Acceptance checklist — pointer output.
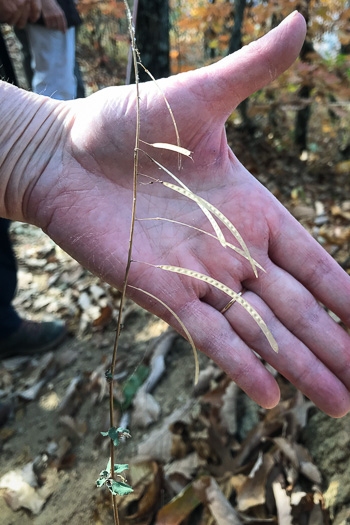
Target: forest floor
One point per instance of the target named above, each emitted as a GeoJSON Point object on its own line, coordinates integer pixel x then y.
{"type": "Point", "coordinates": [197, 455]}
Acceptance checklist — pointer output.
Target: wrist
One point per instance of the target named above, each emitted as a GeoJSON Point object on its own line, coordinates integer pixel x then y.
{"type": "Point", "coordinates": [30, 134]}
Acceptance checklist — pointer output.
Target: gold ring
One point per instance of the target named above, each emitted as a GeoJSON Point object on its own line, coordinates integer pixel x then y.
{"type": "Point", "coordinates": [230, 303]}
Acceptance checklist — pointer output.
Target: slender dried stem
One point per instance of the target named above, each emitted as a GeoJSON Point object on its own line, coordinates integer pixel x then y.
{"type": "Point", "coordinates": [128, 264]}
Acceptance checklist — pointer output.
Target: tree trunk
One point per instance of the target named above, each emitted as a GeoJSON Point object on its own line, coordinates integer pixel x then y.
{"type": "Point", "coordinates": [235, 45]}
{"type": "Point", "coordinates": [152, 38]}
{"type": "Point", "coordinates": [303, 114]}
{"type": "Point", "coordinates": [236, 37]}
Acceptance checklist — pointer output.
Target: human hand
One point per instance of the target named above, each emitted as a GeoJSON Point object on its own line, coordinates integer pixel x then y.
{"type": "Point", "coordinates": [53, 15]}
{"type": "Point", "coordinates": [18, 12]}
{"type": "Point", "coordinates": [78, 187]}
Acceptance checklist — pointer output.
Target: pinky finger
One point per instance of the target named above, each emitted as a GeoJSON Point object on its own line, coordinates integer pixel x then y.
{"type": "Point", "coordinates": [214, 336]}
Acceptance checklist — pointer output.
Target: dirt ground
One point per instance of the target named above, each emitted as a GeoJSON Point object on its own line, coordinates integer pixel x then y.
{"type": "Point", "coordinates": [37, 423]}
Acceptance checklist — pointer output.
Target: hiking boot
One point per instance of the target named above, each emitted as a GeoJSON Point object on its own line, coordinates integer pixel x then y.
{"type": "Point", "coordinates": [33, 338]}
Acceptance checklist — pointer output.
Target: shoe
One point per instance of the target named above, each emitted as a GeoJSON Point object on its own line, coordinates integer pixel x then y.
{"type": "Point", "coordinates": [33, 338]}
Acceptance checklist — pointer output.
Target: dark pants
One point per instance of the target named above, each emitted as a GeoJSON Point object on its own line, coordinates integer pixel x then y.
{"type": "Point", "coordinates": [6, 69]}
{"type": "Point", "coordinates": [9, 319]}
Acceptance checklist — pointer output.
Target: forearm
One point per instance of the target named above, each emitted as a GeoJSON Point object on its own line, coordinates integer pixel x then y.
{"type": "Point", "coordinates": [31, 127]}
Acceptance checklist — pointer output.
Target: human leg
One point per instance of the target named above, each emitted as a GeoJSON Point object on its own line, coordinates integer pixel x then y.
{"type": "Point", "coordinates": [22, 37]}
{"type": "Point", "coordinates": [18, 336]}
{"type": "Point", "coordinates": [53, 59]}
{"type": "Point", "coordinates": [9, 319]}
{"type": "Point", "coordinates": [7, 72]}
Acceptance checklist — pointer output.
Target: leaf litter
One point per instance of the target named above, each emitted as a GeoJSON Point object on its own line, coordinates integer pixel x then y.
{"type": "Point", "coordinates": [201, 463]}
{"type": "Point", "coordinates": [210, 435]}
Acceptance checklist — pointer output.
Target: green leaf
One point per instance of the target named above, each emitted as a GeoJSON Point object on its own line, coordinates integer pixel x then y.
{"type": "Point", "coordinates": [132, 385]}
{"type": "Point", "coordinates": [119, 467]}
{"type": "Point", "coordinates": [108, 375]}
{"type": "Point", "coordinates": [100, 482]}
{"type": "Point", "coordinates": [118, 488]}
{"type": "Point", "coordinates": [105, 474]}
{"type": "Point", "coordinates": [114, 435]}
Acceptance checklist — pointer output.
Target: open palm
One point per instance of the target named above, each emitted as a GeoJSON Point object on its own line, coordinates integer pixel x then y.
{"type": "Point", "coordinates": [83, 200]}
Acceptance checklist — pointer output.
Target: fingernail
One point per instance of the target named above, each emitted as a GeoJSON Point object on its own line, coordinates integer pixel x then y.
{"type": "Point", "coordinates": [290, 16]}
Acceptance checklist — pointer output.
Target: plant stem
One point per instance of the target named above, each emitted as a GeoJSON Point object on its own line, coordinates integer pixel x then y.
{"type": "Point", "coordinates": [128, 264]}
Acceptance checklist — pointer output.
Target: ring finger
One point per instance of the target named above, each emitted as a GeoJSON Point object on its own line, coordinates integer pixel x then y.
{"type": "Point", "coordinates": [294, 360]}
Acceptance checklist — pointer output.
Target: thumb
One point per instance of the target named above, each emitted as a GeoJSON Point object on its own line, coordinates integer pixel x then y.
{"type": "Point", "coordinates": [237, 76]}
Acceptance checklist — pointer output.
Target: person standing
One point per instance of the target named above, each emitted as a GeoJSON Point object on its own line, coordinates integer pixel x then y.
{"type": "Point", "coordinates": [52, 48]}
{"type": "Point", "coordinates": [18, 336]}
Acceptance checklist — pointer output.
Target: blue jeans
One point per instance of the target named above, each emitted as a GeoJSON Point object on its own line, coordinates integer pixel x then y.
{"type": "Point", "coordinates": [9, 319]}
{"type": "Point", "coordinates": [53, 59]}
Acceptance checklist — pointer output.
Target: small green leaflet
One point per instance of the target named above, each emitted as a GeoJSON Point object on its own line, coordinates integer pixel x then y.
{"type": "Point", "coordinates": [120, 467]}
{"type": "Point", "coordinates": [100, 482]}
{"type": "Point", "coordinates": [118, 488]}
{"type": "Point", "coordinates": [115, 434]}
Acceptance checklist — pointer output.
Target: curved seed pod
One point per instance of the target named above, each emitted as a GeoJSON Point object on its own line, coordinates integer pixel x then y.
{"type": "Point", "coordinates": [207, 279]}
{"type": "Point", "coordinates": [188, 193]}
{"type": "Point", "coordinates": [228, 244]}
{"type": "Point", "coordinates": [205, 205]}
{"type": "Point", "coordinates": [188, 335]}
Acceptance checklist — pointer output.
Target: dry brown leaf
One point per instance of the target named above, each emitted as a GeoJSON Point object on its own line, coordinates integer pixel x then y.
{"type": "Point", "coordinates": [158, 444]}
{"type": "Point", "coordinates": [32, 392]}
{"type": "Point", "coordinates": [140, 475]}
{"type": "Point", "coordinates": [317, 517]}
{"type": "Point", "coordinates": [342, 168]}
{"type": "Point", "coordinates": [104, 318]}
{"type": "Point", "coordinates": [302, 212]}
{"type": "Point", "coordinates": [228, 411]}
{"type": "Point", "coordinates": [158, 367]}
{"type": "Point", "coordinates": [146, 410]}
{"type": "Point", "coordinates": [207, 375]}
{"type": "Point", "coordinates": [179, 508]}
{"type": "Point", "coordinates": [289, 451]}
{"type": "Point", "coordinates": [187, 466]}
{"type": "Point", "coordinates": [300, 458]}
{"type": "Point", "coordinates": [209, 492]}
{"type": "Point", "coordinates": [44, 370]}
{"type": "Point", "coordinates": [84, 301]}
{"type": "Point", "coordinates": [338, 211]}
{"type": "Point", "coordinates": [5, 433]}
{"type": "Point", "coordinates": [284, 508]}
{"type": "Point", "coordinates": [21, 490]}
{"type": "Point", "coordinates": [253, 492]}
{"type": "Point", "coordinates": [271, 424]}
{"type": "Point", "coordinates": [299, 414]}
{"type": "Point", "coordinates": [78, 428]}
{"type": "Point", "coordinates": [335, 234]}
{"type": "Point", "coordinates": [151, 494]}
{"type": "Point", "coordinates": [68, 403]}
